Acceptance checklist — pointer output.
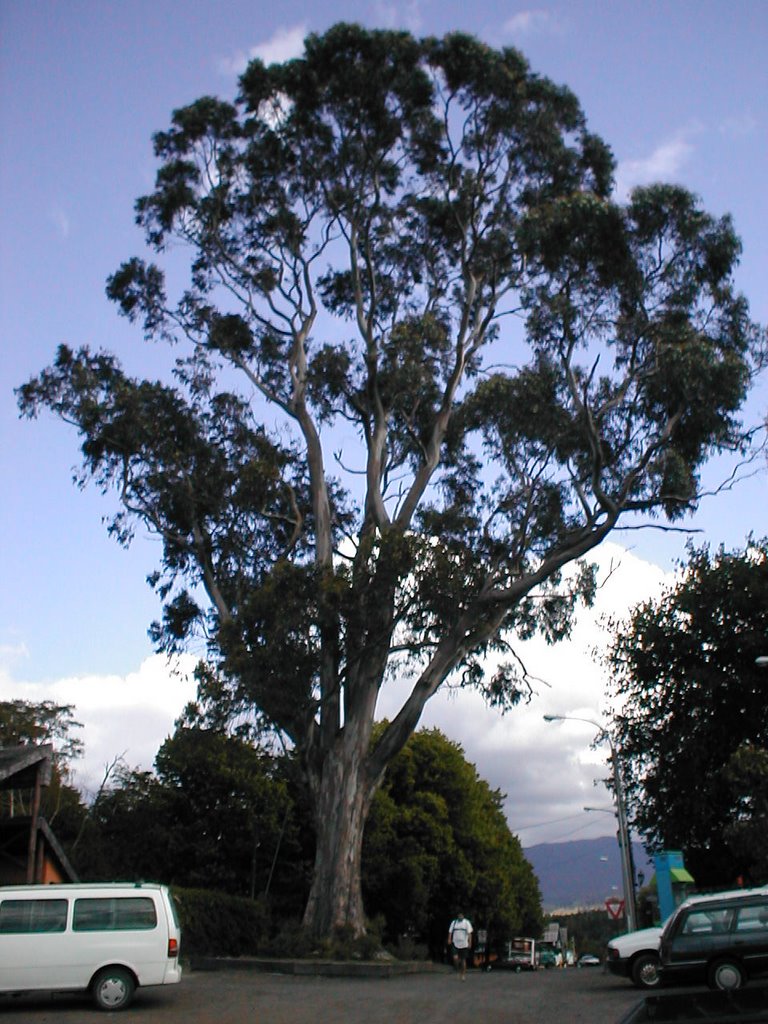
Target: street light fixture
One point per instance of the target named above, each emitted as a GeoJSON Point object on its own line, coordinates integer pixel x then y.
{"type": "Point", "coordinates": [628, 882]}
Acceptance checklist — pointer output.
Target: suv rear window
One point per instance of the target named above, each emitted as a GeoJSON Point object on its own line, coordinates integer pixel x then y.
{"type": "Point", "coordinates": [706, 922]}
{"type": "Point", "coordinates": [752, 918]}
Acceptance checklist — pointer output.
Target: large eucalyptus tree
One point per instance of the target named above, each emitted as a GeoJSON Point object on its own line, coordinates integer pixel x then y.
{"type": "Point", "coordinates": [405, 252]}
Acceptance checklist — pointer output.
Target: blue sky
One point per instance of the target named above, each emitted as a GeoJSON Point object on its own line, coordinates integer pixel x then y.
{"type": "Point", "coordinates": [678, 89]}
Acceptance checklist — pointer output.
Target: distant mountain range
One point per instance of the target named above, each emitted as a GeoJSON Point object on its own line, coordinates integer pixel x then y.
{"type": "Point", "coordinates": [582, 873]}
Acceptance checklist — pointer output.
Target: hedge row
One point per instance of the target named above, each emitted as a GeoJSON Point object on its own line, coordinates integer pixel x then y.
{"type": "Point", "coordinates": [216, 924]}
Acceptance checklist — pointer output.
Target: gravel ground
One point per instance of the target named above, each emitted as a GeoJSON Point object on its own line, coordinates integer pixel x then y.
{"type": "Point", "coordinates": [232, 997]}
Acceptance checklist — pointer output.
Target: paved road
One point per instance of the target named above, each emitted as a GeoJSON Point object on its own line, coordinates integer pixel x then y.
{"type": "Point", "coordinates": [236, 997]}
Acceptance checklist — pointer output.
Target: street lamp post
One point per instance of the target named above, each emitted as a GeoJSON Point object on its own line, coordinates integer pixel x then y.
{"type": "Point", "coordinates": [628, 881]}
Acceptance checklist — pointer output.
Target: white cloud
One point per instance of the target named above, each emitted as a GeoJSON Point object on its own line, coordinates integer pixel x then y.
{"type": "Point", "coordinates": [284, 44]}
{"type": "Point", "coordinates": [664, 164]}
{"type": "Point", "coordinates": [397, 16]}
{"type": "Point", "coordinates": [532, 22]}
{"type": "Point", "coordinates": [121, 715]}
{"type": "Point", "coordinates": [12, 652]}
{"type": "Point", "coordinates": [61, 221]}
{"type": "Point", "coordinates": [739, 126]}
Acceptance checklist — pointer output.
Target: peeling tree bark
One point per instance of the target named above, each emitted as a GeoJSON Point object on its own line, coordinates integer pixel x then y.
{"type": "Point", "coordinates": [343, 797]}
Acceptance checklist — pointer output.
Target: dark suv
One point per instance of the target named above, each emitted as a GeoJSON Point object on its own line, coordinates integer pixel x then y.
{"type": "Point", "coordinates": [721, 939]}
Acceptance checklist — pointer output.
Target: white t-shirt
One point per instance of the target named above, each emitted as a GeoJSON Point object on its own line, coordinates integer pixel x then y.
{"type": "Point", "coordinates": [460, 931]}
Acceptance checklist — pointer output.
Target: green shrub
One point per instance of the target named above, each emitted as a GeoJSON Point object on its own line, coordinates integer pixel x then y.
{"type": "Point", "coordinates": [407, 948]}
{"type": "Point", "coordinates": [292, 941]}
{"type": "Point", "coordinates": [216, 924]}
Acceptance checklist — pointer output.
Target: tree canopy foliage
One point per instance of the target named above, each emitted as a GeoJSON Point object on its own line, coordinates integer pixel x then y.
{"type": "Point", "coordinates": [746, 834]}
{"type": "Point", "coordinates": [437, 840]}
{"type": "Point", "coordinates": [692, 718]}
{"type": "Point", "coordinates": [405, 252]}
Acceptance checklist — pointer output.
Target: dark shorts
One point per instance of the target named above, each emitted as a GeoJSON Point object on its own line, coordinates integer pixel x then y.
{"type": "Point", "coordinates": [460, 954]}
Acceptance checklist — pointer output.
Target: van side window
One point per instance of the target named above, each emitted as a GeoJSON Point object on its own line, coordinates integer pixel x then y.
{"type": "Point", "coordinates": [753, 918]}
{"type": "Point", "coordinates": [110, 914]}
{"type": "Point", "coordinates": [19, 917]}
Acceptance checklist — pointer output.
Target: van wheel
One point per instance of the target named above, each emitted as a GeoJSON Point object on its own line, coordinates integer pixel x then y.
{"type": "Point", "coordinates": [113, 988]}
{"type": "Point", "coordinates": [645, 971]}
{"type": "Point", "coordinates": [726, 975]}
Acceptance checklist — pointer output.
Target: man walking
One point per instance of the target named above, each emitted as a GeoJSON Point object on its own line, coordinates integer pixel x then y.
{"type": "Point", "coordinates": [460, 941]}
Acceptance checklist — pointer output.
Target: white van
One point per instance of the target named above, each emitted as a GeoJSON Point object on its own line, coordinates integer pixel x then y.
{"type": "Point", "coordinates": [104, 938]}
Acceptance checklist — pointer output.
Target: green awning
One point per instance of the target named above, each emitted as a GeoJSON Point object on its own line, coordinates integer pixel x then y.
{"type": "Point", "coordinates": [680, 875]}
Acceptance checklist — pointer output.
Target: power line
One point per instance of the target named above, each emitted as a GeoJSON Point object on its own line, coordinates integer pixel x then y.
{"type": "Point", "coordinates": [554, 821]}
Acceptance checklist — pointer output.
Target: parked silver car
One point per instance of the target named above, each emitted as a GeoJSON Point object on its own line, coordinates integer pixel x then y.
{"type": "Point", "coordinates": [588, 960]}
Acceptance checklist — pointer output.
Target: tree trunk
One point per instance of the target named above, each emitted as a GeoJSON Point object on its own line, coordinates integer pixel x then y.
{"type": "Point", "coordinates": [342, 798]}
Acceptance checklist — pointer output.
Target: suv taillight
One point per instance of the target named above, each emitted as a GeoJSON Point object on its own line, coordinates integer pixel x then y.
{"type": "Point", "coordinates": [173, 947]}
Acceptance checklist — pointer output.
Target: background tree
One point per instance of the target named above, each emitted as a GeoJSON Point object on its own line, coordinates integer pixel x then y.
{"type": "Point", "coordinates": [128, 831]}
{"type": "Point", "coordinates": [747, 833]}
{"type": "Point", "coordinates": [234, 804]}
{"type": "Point", "coordinates": [436, 840]}
{"type": "Point", "coordinates": [22, 722]}
{"type": "Point", "coordinates": [590, 931]}
{"type": "Point", "coordinates": [404, 251]}
{"type": "Point", "coordinates": [691, 715]}
{"type": "Point", "coordinates": [27, 722]}
{"type": "Point", "coordinates": [217, 813]}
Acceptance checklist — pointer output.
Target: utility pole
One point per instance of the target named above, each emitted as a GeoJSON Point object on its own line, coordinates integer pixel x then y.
{"type": "Point", "coordinates": [625, 849]}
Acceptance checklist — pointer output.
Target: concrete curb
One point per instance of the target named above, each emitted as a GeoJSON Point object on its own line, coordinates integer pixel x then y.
{"type": "Point", "coordinates": [323, 968]}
